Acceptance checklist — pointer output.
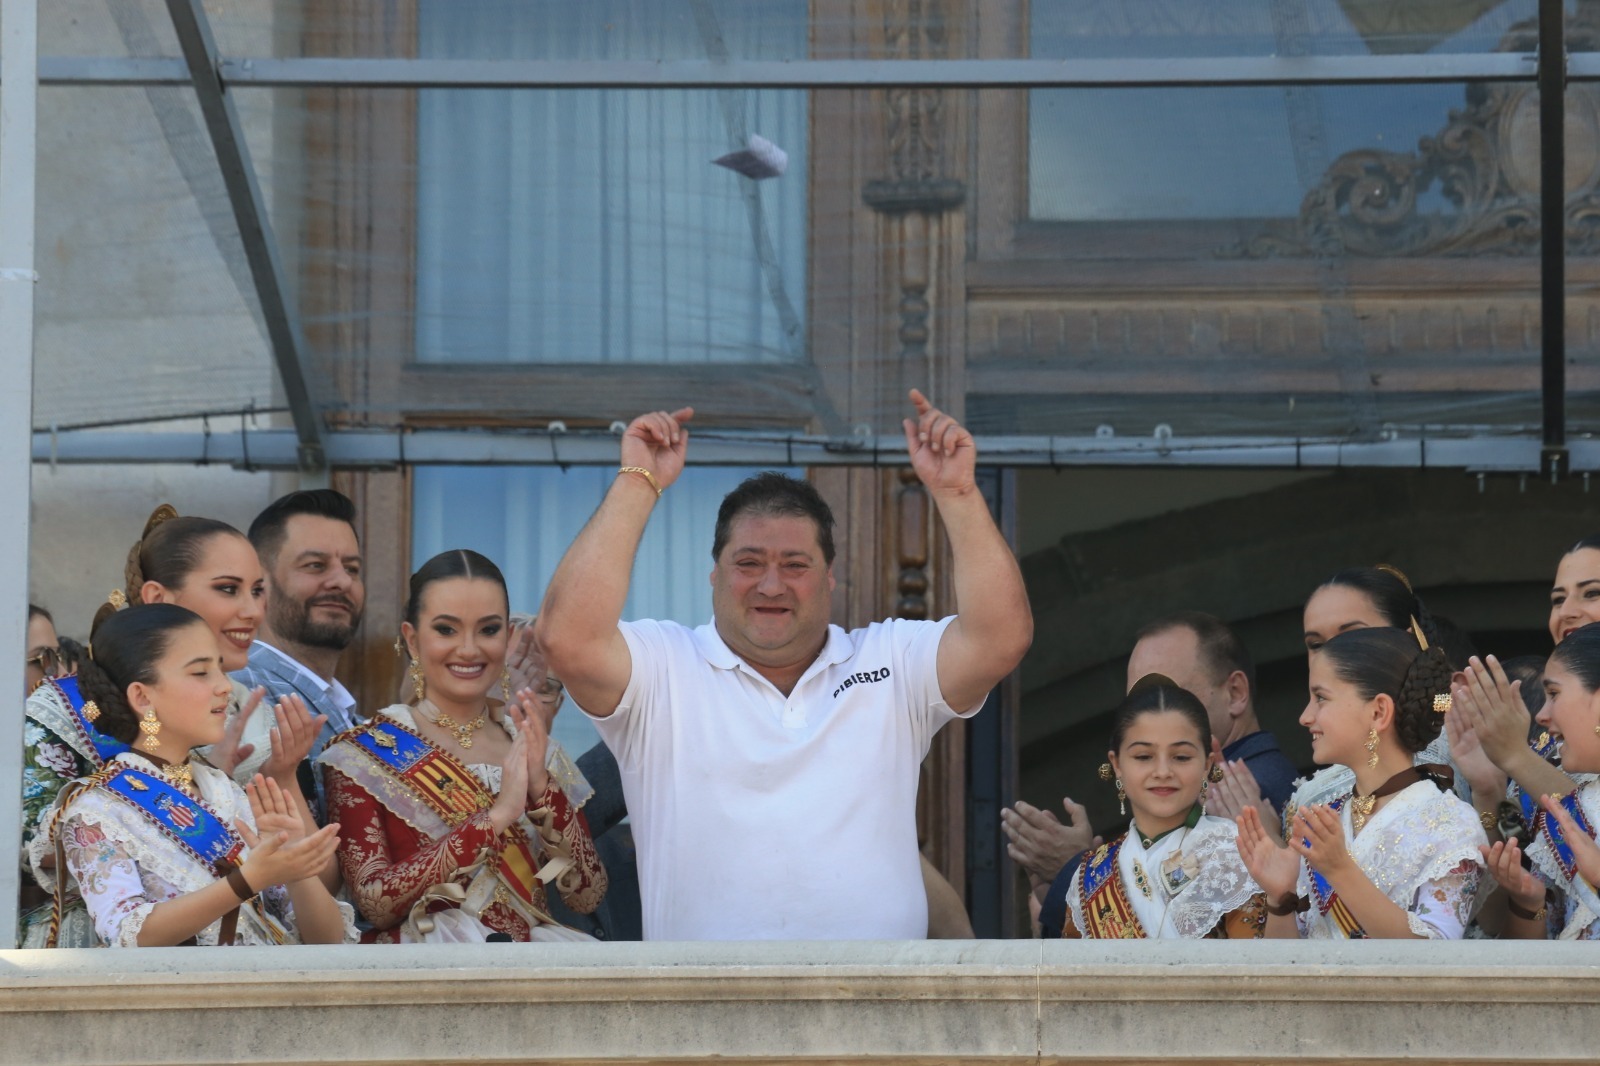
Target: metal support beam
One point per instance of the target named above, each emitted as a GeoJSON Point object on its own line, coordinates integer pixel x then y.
{"type": "Point", "coordinates": [1553, 233]}
{"type": "Point", "coordinates": [267, 72]}
{"type": "Point", "coordinates": [255, 228]}
{"type": "Point", "coordinates": [19, 49]}
{"type": "Point", "coordinates": [378, 449]}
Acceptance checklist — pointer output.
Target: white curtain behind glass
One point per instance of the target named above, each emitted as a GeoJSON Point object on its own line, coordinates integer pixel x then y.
{"type": "Point", "coordinates": [524, 518]}
{"type": "Point", "coordinates": [590, 226]}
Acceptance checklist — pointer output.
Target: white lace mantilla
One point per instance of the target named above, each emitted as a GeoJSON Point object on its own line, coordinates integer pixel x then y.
{"type": "Point", "coordinates": [1413, 849]}
{"type": "Point", "coordinates": [1331, 782]}
{"type": "Point", "coordinates": [124, 868]}
{"type": "Point", "coordinates": [1215, 881]}
{"type": "Point", "coordinates": [1582, 918]}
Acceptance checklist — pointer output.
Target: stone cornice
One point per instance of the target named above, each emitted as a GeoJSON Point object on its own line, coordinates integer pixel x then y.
{"type": "Point", "coordinates": [905, 1003]}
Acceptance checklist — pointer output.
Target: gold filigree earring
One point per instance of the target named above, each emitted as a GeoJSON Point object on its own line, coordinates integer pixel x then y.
{"type": "Point", "coordinates": [419, 685]}
{"type": "Point", "coordinates": [1122, 799]}
{"type": "Point", "coordinates": [150, 726]}
{"type": "Point", "coordinates": [1372, 747]}
{"type": "Point", "coordinates": [505, 683]}
{"type": "Point", "coordinates": [399, 645]}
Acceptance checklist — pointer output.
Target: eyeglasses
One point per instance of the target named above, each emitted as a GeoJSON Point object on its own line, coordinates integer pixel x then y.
{"type": "Point", "coordinates": [48, 660]}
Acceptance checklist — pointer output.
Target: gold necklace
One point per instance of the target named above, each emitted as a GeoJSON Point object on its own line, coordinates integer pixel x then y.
{"type": "Point", "coordinates": [1361, 810]}
{"type": "Point", "coordinates": [463, 733]}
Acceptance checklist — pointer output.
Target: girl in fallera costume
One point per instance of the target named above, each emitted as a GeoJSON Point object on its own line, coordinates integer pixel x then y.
{"type": "Point", "coordinates": [210, 568]}
{"type": "Point", "coordinates": [1176, 873]}
{"type": "Point", "coordinates": [165, 849]}
{"type": "Point", "coordinates": [1397, 856]}
{"type": "Point", "coordinates": [1557, 897]}
{"type": "Point", "coordinates": [453, 825]}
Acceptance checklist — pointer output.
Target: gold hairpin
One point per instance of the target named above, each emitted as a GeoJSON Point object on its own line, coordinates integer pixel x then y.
{"type": "Point", "coordinates": [117, 599]}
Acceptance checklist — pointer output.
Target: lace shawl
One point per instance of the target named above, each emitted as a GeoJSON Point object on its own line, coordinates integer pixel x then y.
{"type": "Point", "coordinates": [1217, 884]}
{"type": "Point", "coordinates": [1421, 851]}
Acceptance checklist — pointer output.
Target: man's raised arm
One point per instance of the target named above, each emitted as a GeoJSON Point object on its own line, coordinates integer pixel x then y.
{"type": "Point", "coordinates": [993, 625]}
{"type": "Point", "coordinates": [577, 624]}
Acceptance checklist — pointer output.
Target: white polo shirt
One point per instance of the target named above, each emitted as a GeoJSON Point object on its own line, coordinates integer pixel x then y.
{"type": "Point", "coordinates": [761, 817]}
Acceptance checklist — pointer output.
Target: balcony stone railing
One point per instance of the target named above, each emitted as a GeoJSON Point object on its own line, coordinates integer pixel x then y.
{"type": "Point", "coordinates": [942, 1002]}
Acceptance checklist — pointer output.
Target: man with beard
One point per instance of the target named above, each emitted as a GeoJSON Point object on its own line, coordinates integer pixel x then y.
{"type": "Point", "coordinates": [307, 545]}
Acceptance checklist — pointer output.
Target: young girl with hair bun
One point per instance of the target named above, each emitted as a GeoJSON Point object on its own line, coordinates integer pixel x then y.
{"type": "Point", "coordinates": [165, 849]}
{"type": "Point", "coordinates": [1397, 855]}
{"type": "Point", "coordinates": [1176, 873]}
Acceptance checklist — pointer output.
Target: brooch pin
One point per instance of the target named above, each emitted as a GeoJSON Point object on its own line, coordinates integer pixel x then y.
{"type": "Point", "coordinates": [1141, 880]}
{"type": "Point", "coordinates": [1178, 870]}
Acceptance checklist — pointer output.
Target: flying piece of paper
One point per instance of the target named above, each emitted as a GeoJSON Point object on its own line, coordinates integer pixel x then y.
{"type": "Point", "coordinates": [758, 159]}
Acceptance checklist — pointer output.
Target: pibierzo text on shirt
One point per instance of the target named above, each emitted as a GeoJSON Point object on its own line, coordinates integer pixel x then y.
{"type": "Point", "coordinates": [865, 677]}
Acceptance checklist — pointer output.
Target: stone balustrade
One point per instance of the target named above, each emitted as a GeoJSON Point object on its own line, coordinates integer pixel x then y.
{"type": "Point", "coordinates": [939, 1002]}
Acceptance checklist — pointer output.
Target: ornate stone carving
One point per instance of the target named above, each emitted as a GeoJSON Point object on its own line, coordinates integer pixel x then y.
{"type": "Point", "coordinates": [915, 29]}
{"type": "Point", "coordinates": [1473, 189]}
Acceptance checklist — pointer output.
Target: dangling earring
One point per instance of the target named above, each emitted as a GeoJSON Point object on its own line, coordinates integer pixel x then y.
{"type": "Point", "coordinates": [149, 725]}
{"type": "Point", "coordinates": [1204, 786]}
{"type": "Point", "coordinates": [399, 645]}
{"type": "Point", "coordinates": [1372, 747]}
{"type": "Point", "coordinates": [419, 686]}
{"type": "Point", "coordinates": [505, 683]}
{"type": "Point", "coordinates": [1122, 799]}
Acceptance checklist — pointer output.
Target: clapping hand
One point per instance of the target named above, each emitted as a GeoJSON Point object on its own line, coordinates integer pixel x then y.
{"type": "Point", "coordinates": [1318, 837]}
{"type": "Point", "coordinates": [1237, 789]}
{"type": "Point", "coordinates": [512, 801]}
{"type": "Point", "coordinates": [1504, 860]}
{"type": "Point", "coordinates": [1040, 843]}
{"type": "Point", "coordinates": [942, 451]}
{"type": "Point", "coordinates": [528, 717]}
{"type": "Point", "coordinates": [1584, 850]}
{"type": "Point", "coordinates": [1273, 866]}
{"type": "Point", "coordinates": [293, 738]}
{"type": "Point", "coordinates": [228, 753]}
{"type": "Point", "coordinates": [281, 852]}
{"type": "Point", "coordinates": [1482, 775]}
{"type": "Point", "coordinates": [658, 441]}
{"type": "Point", "coordinates": [1492, 707]}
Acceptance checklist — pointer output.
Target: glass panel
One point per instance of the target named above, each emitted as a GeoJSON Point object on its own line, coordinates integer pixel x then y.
{"type": "Point", "coordinates": [1099, 29]}
{"type": "Point", "coordinates": [524, 518]}
{"type": "Point", "coordinates": [145, 306]}
{"type": "Point", "coordinates": [117, 28]}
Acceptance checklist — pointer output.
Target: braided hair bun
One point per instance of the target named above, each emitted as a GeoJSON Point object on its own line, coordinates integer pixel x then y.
{"type": "Point", "coordinates": [1389, 662]}
{"type": "Point", "coordinates": [169, 550]}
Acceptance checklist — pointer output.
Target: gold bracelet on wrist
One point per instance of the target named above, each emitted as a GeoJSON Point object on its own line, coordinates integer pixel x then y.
{"type": "Point", "coordinates": [646, 474]}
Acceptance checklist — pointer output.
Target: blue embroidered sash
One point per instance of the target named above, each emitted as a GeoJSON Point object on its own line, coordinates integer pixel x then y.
{"type": "Point", "coordinates": [1106, 911]}
{"type": "Point", "coordinates": [1327, 899]}
{"type": "Point", "coordinates": [183, 820]}
{"type": "Point", "coordinates": [1547, 825]}
{"type": "Point", "coordinates": [104, 747]}
{"type": "Point", "coordinates": [1544, 746]}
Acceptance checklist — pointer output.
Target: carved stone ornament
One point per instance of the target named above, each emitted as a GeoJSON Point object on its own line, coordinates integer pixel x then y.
{"type": "Point", "coordinates": [915, 29]}
{"type": "Point", "coordinates": [1482, 171]}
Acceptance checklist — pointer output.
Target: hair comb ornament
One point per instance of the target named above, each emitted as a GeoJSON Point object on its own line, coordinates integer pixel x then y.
{"type": "Point", "coordinates": [1106, 773]}
{"type": "Point", "coordinates": [117, 599]}
{"type": "Point", "coordinates": [1441, 703]}
{"type": "Point", "coordinates": [91, 711]}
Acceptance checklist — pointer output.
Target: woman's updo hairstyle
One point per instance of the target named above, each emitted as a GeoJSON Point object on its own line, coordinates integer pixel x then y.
{"type": "Point", "coordinates": [1388, 661]}
{"type": "Point", "coordinates": [1390, 591]}
{"type": "Point", "coordinates": [1580, 654]}
{"type": "Point", "coordinates": [169, 550]}
{"type": "Point", "coordinates": [1155, 694]}
{"type": "Point", "coordinates": [125, 647]}
{"type": "Point", "coordinates": [1591, 541]}
{"type": "Point", "coordinates": [458, 562]}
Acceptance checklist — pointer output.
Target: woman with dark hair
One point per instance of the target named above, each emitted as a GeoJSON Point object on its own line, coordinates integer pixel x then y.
{"type": "Point", "coordinates": [1176, 872]}
{"type": "Point", "coordinates": [1397, 855]}
{"type": "Point", "coordinates": [453, 825]}
{"type": "Point", "coordinates": [1557, 896]}
{"type": "Point", "coordinates": [165, 849]}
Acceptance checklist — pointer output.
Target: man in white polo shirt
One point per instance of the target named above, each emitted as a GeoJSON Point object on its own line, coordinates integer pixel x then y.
{"type": "Point", "coordinates": [770, 759]}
